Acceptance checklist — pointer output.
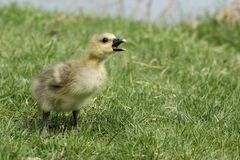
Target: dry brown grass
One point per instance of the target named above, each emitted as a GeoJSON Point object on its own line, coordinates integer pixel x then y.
{"type": "Point", "coordinates": [230, 15]}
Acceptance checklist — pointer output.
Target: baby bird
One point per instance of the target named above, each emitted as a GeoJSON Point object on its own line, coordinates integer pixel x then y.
{"type": "Point", "coordinates": [69, 85]}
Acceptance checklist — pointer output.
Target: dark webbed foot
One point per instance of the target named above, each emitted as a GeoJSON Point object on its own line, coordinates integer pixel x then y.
{"type": "Point", "coordinates": [75, 119]}
{"type": "Point", "coordinates": [44, 129]}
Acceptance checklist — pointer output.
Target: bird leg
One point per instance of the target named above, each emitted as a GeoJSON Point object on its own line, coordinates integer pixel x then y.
{"type": "Point", "coordinates": [75, 119]}
{"type": "Point", "coordinates": [44, 130]}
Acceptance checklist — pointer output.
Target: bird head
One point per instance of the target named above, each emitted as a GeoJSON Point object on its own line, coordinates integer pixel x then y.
{"type": "Point", "coordinates": [104, 44]}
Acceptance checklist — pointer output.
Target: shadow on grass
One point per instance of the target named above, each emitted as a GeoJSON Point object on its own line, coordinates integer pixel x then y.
{"type": "Point", "coordinates": [102, 124]}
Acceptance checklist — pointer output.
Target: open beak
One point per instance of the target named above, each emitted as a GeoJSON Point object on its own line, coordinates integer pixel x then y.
{"type": "Point", "coordinates": [116, 43]}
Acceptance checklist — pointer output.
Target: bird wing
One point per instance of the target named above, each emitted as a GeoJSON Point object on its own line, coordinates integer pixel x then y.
{"type": "Point", "coordinates": [57, 77]}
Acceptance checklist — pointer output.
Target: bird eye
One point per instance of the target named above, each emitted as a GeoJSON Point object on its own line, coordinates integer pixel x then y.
{"type": "Point", "coordinates": [105, 40]}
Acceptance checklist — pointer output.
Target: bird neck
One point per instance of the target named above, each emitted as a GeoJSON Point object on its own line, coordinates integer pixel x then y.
{"type": "Point", "coordinates": [95, 60]}
{"type": "Point", "coordinates": [99, 58]}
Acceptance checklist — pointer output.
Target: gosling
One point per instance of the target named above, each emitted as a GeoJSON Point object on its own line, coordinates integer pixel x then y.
{"type": "Point", "coordinates": [70, 85]}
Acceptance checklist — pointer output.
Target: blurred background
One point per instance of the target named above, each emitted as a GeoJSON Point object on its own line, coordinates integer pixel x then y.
{"type": "Point", "coordinates": [156, 11]}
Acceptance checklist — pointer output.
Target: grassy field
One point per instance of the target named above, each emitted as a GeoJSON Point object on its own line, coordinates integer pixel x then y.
{"type": "Point", "coordinates": [175, 93]}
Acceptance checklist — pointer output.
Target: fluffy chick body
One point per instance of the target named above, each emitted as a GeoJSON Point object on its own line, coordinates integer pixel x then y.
{"type": "Point", "coordinates": [70, 85]}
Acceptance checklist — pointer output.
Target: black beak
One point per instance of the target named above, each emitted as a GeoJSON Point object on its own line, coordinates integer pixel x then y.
{"type": "Point", "coordinates": [116, 43]}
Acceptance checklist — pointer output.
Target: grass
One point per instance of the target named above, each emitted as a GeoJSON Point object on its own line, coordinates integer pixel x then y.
{"type": "Point", "coordinates": [173, 95]}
